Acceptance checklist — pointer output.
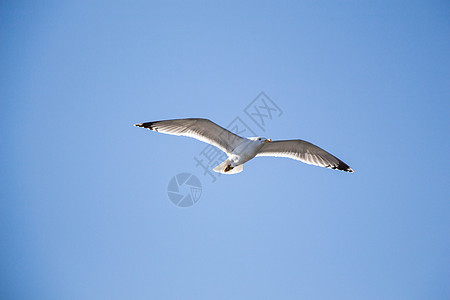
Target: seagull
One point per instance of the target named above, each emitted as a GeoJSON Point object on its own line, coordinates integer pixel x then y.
{"type": "Point", "coordinates": [240, 149]}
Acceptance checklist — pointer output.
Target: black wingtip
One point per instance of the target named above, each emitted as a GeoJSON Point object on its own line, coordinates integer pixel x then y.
{"type": "Point", "coordinates": [148, 125]}
{"type": "Point", "coordinates": [342, 166]}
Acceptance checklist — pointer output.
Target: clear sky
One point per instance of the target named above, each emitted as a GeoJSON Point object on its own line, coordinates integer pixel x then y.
{"type": "Point", "coordinates": [84, 207]}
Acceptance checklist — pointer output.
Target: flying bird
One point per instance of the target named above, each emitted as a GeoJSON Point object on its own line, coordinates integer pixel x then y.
{"type": "Point", "coordinates": [240, 149]}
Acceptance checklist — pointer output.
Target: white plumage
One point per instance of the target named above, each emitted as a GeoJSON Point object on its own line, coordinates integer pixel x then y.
{"type": "Point", "coordinates": [241, 150]}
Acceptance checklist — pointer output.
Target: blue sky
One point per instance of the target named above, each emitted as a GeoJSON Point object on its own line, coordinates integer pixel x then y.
{"type": "Point", "coordinates": [85, 212]}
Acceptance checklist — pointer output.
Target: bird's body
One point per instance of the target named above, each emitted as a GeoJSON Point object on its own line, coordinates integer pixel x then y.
{"type": "Point", "coordinates": [245, 151]}
{"type": "Point", "coordinates": [240, 149]}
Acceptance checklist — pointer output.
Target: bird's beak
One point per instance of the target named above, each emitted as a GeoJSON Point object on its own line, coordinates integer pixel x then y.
{"type": "Point", "coordinates": [267, 141]}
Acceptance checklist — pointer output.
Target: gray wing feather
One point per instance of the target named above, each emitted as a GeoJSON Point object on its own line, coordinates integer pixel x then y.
{"type": "Point", "coordinates": [305, 152]}
{"type": "Point", "coordinates": [200, 129]}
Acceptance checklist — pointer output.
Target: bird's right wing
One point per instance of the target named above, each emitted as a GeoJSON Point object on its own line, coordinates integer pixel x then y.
{"type": "Point", "coordinates": [305, 152]}
{"type": "Point", "coordinates": [200, 129]}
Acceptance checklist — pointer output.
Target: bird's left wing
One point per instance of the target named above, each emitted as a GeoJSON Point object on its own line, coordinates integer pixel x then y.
{"type": "Point", "coordinates": [305, 152]}
{"type": "Point", "coordinates": [200, 129]}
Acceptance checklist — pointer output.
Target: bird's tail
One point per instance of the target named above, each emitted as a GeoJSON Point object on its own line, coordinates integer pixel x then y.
{"type": "Point", "coordinates": [225, 168]}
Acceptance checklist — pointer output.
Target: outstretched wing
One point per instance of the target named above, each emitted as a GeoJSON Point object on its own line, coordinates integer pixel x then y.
{"type": "Point", "coordinates": [200, 129]}
{"type": "Point", "coordinates": [305, 152]}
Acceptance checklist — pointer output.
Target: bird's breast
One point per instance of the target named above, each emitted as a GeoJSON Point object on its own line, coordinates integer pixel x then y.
{"type": "Point", "coordinates": [244, 152]}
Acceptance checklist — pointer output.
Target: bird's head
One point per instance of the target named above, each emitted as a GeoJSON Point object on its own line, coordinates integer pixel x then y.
{"type": "Point", "coordinates": [260, 139]}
